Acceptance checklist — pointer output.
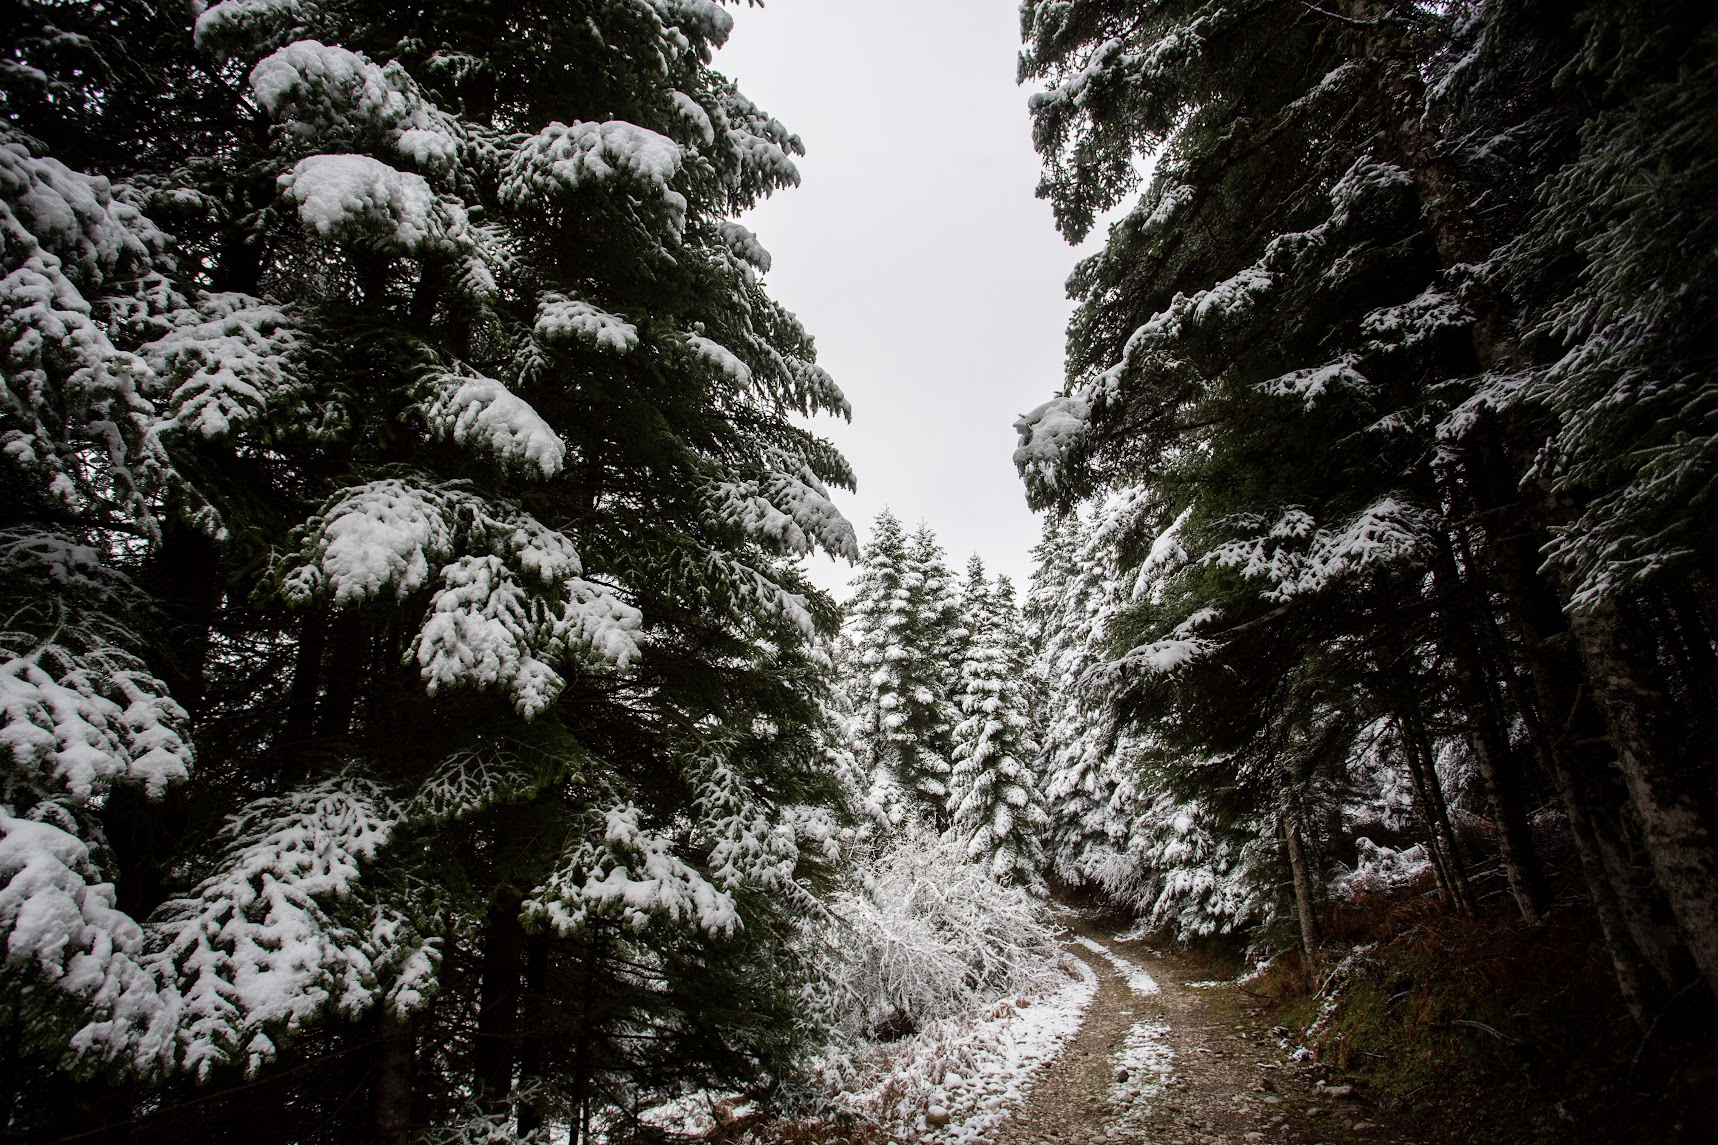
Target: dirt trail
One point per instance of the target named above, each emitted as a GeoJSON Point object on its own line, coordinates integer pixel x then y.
{"type": "Point", "coordinates": [1229, 1080]}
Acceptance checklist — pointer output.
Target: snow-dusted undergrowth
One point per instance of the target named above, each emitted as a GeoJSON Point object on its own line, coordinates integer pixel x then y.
{"type": "Point", "coordinates": [949, 992]}
{"type": "Point", "coordinates": [974, 1070]}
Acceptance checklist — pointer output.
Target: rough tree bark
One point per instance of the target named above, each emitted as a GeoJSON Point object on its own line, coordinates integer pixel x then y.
{"type": "Point", "coordinates": [1570, 738]}
{"type": "Point", "coordinates": [1646, 726]}
{"type": "Point", "coordinates": [1677, 829]}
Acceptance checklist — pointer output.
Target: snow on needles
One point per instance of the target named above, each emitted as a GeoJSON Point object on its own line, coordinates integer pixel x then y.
{"type": "Point", "coordinates": [355, 194]}
{"type": "Point", "coordinates": [1297, 557]}
{"type": "Point", "coordinates": [62, 924]}
{"type": "Point", "coordinates": [482, 413]}
{"type": "Point", "coordinates": [632, 874]}
{"type": "Point", "coordinates": [560, 318]}
{"type": "Point", "coordinates": [83, 723]}
{"type": "Point", "coordinates": [564, 157]}
{"type": "Point", "coordinates": [279, 931]}
{"type": "Point", "coordinates": [323, 93]}
{"type": "Point", "coordinates": [232, 361]}
{"type": "Point", "coordinates": [510, 603]}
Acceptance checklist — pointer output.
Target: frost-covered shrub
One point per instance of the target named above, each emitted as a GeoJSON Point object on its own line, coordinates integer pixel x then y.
{"type": "Point", "coordinates": [926, 935]}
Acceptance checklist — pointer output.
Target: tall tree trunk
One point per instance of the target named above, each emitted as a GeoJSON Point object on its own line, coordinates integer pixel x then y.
{"type": "Point", "coordinates": [1304, 900]}
{"type": "Point", "coordinates": [391, 1095]}
{"type": "Point", "coordinates": [349, 657]}
{"type": "Point", "coordinates": [299, 727]}
{"type": "Point", "coordinates": [1569, 735]}
{"type": "Point", "coordinates": [1499, 767]}
{"type": "Point", "coordinates": [1677, 828]}
{"type": "Point", "coordinates": [533, 1043]}
{"type": "Point", "coordinates": [184, 575]}
{"type": "Point", "coordinates": [498, 997]}
{"type": "Point", "coordinates": [1646, 727]}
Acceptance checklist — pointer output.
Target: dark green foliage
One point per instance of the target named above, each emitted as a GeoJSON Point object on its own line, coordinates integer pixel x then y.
{"type": "Point", "coordinates": [1363, 355]}
{"type": "Point", "coordinates": [476, 572]}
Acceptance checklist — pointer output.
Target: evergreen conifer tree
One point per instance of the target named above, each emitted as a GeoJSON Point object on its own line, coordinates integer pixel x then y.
{"type": "Point", "coordinates": [995, 809]}
{"type": "Point", "coordinates": [903, 625]}
{"type": "Point", "coordinates": [420, 370]}
{"type": "Point", "coordinates": [1320, 337]}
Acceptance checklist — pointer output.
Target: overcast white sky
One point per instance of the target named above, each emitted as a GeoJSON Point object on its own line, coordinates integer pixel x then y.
{"type": "Point", "coordinates": [914, 251]}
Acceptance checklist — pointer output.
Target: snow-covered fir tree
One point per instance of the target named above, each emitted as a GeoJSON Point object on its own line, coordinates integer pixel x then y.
{"type": "Point", "coordinates": [901, 625]}
{"type": "Point", "coordinates": [410, 357]}
{"type": "Point", "coordinates": [1114, 825]}
{"type": "Point", "coordinates": [996, 812]}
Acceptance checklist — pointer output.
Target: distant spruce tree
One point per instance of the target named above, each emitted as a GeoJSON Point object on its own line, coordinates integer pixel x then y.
{"type": "Point", "coordinates": [1116, 824]}
{"type": "Point", "coordinates": [903, 625]}
{"type": "Point", "coordinates": [995, 810]}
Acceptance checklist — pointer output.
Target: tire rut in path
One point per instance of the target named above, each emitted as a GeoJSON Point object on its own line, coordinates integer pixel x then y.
{"type": "Point", "coordinates": [1231, 1082]}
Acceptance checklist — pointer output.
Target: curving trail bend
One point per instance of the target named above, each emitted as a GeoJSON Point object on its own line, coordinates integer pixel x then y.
{"type": "Point", "coordinates": [1158, 1061]}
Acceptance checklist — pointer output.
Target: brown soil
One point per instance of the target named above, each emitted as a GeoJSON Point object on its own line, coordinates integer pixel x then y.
{"type": "Point", "coordinates": [1232, 1080]}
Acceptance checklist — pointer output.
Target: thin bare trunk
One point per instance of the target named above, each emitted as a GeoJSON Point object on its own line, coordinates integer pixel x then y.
{"type": "Point", "coordinates": [1499, 768]}
{"type": "Point", "coordinates": [1429, 793]}
{"type": "Point", "coordinates": [533, 1044]}
{"type": "Point", "coordinates": [1305, 904]}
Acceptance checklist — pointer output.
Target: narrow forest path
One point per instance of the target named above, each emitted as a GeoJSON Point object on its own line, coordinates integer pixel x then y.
{"type": "Point", "coordinates": [1201, 1067]}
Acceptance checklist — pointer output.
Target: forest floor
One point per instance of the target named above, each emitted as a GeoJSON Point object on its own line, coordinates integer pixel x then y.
{"type": "Point", "coordinates": [1160, 1060]}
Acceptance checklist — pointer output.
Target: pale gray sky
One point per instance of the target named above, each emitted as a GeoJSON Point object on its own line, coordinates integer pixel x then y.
{"type": "Point", "coordinates": [914, 251]}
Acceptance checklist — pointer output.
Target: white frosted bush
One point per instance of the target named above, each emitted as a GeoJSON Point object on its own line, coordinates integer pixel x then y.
{"type": "Point", "coordinates": [927, 935]}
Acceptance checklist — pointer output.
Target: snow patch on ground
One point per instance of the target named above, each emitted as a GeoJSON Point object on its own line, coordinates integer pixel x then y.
{"type": "Point", "coordinates": [1149, 1063]}
{"type": "Point", "coordinates": [1138, 980]}
{"type": "Point", "coordinates": [974, 1071]}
